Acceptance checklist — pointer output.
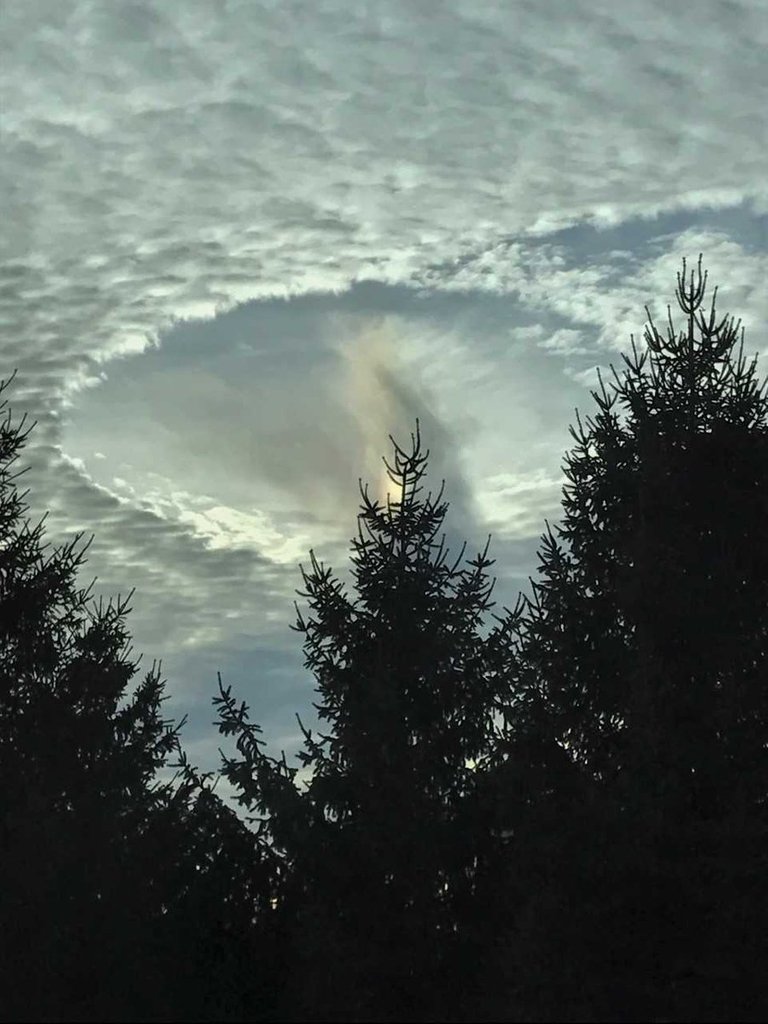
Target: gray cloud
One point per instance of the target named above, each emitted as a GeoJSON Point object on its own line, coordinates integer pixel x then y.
{"type": "Point", "coordinates": [164, 162]}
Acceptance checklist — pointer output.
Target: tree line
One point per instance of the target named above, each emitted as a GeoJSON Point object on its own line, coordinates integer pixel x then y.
{"type": "Point", "coordinates": [554, 811]}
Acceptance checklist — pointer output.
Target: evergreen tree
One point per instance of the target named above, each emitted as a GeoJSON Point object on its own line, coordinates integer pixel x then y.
{"type": "Point", "coordinates": [638, 676]}
{"type": "Point", "coordinates": [105, 870]}
{"type": "Point", "coordinates": [380, 849]}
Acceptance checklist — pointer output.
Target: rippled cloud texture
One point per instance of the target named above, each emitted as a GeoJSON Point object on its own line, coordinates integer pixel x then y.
{"type": "Point", "coordinates": [243, 242]}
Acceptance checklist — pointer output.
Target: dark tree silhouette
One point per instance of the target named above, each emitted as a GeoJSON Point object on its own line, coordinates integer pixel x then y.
{"type": "Point", "coordinates": [560, 816]}
{"type": "Point", "coordinates": [380, 848]}
{"type": "Point", "coordinates": [638, 713]}
{"type": "Point", "coordinates": [116, 887]}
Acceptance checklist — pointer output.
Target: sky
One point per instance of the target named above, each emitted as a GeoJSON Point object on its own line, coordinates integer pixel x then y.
{"type": "Point", "coordinates": [244, 241]}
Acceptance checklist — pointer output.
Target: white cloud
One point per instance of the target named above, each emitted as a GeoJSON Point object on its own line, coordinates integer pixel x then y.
{"type": "Point", "coordinates": [224, 528]}
{"type": "Point", "coordinates": [515, 505]}
{"type": "Point", "coordinates": [165, 161]}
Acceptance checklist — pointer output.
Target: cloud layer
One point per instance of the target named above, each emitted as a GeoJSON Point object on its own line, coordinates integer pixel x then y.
{"type": "Point", "coordinates": [163, 162]}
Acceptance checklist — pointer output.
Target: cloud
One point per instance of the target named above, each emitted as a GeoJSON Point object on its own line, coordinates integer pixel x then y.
{"type": "Point", "coordinates": [603, 298]}
{"type": "Point", "coordinates": [176, 160]}
{"type": "Point", "coordinates": [164, 162]}
{"type": "Point", "coordinates": [386, 397]}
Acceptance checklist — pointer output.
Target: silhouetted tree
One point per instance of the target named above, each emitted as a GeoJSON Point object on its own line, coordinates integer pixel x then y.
{"type": "Point", "coordinates": [116, 887]}
{"type": "Point", "coordinates": [216, 881]}
{"type": "Point", "coordinates": [380, 847]}
{"type": "Point", "coordinates": [638, 688]}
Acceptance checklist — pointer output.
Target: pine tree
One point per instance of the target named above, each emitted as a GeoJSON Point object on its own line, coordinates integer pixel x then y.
{"type": "Point", "coordinates": [106, 870]}
{"type": "Point", "coordinates": [380, 848]}
{"type": "Point", "coordinates": [642, 658]}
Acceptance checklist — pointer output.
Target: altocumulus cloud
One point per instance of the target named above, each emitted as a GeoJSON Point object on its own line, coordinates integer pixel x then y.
{"type": "Point", "coordinates": [453, 210]}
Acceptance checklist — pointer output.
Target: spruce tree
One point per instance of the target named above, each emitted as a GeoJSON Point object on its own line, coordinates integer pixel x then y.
{"type": "Point", "coordinates": [639, 668]}
{"type": "Point", "coordinates": [380, 847]}
{"type": "Point", "coordinates": [117, 889]}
